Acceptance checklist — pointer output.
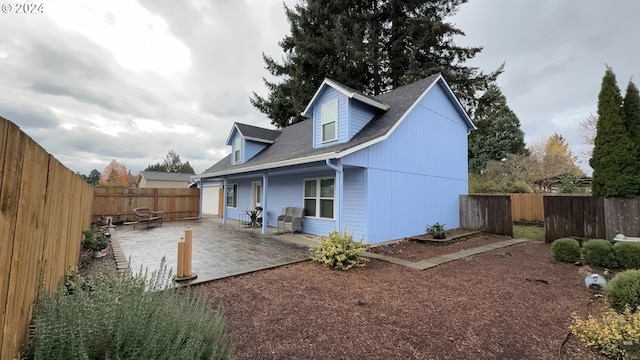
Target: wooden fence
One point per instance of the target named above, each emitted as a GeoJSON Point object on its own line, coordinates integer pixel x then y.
{"type": "Point", "coordinates": [489, 212]}
{"type": "Point", "coordinates": [590, 217]}
{"type": "Point", "coordinates": [120, 202]}
{"type": "Point", "coordinates": [580, 216]}
{"type": "Point", "coordinates": [44, 208]}
{"type": "Point", "coordinates": [529, 207]}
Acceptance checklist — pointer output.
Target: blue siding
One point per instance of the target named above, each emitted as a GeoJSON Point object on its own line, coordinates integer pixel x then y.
{"type": "Point", "coordinates": [416, 175]}
{"type": "Point", "coordinates": [360, 115]}
{"type": "Point", "coordinates": [354, 218]}
{"type": "Point", "coordinates": [251, 148]}
{"type": "Point", "coordinates": [327, 95]}
{"type": "Point", "coordinates": [403, 204]}
{"type": "Point", "coordinates": [426, 142]}
{"type": "Point", "coordinates": [244, 198]}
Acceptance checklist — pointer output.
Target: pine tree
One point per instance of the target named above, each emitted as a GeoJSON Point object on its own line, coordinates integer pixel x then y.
{"type": "Point", "coordinates": [631, 113]}
{"type": "Point", "coordinates": [498, 133]}
{"type": "Point", "coordinates": [613, 159]}
{"type": "Point", "coordinates": [172, 164]}
{"type": "Point", "coordinates": [371, 46]}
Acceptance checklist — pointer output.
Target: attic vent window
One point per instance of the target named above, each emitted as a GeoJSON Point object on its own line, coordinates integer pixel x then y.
{"type": "Point", "coordinates": [237, 147]}
{"type": "Point", "coordinates": [329, 121]}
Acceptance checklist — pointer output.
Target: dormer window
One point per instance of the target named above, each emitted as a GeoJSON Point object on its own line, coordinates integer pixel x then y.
{"type": "Point", "coordinates": [237, 147]}
{"type": "Point", "coordinates": [329, 121]}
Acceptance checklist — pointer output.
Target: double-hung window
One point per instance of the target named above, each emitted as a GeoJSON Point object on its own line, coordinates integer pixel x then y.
{"type": "Point", "coordinates": [319, 196]}
{"type": "Point", "coordinates": [237, 149]}
{"type": "Point", "coordinates": [329, 117]}
{"type": "Point", "coordinates": [232, 195]}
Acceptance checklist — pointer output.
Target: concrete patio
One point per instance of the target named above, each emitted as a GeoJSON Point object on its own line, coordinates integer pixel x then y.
{"type": "Point", "coordinates": [219, 250]}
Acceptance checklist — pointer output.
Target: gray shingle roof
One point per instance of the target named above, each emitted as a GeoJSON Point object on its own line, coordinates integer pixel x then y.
{"type": "Point", "coordinates": [295, 141]}
{"type": "Point", "coordinates": [165, 176]}
{"type": "Point", "coordinates": [255, 132]}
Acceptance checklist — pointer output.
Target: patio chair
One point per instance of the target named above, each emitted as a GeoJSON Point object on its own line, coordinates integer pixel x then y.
{"type": "Point", "coordinates": [148, 216]}
{"type": "Point", "coordinates": [293, 223]}
{"type": "Point", "coordinates": [286, 211]}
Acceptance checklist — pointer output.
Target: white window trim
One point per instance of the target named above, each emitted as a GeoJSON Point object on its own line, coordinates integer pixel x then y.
{"type": "Point", "coordinates": [226, 196]}
{"type": "Point", "coordinates": [318, 198]}
{"type": "Point", "coordinates": [322, 122]}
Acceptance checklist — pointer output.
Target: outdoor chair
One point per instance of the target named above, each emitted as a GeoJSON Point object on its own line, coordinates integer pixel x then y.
{"type": "Point", "coordinates": [148, 216]}
{"type": "Point", "coordinates": [293, 223]}
{"type": "Point", "coordinates": [286, 211]}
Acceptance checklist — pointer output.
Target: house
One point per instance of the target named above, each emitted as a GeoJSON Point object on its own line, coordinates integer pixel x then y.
{"type": "Point", "coordinates": [380, 167]}
{"type": "Point", "coordinates": [159, 179]}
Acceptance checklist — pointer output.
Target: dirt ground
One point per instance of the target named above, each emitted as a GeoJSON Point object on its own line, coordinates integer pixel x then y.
{"type": "Point", "coordinates": [511, 303]}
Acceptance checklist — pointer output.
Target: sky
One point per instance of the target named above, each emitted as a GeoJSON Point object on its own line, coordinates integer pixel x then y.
{"type": "Point", "coordinates": [92, 81]}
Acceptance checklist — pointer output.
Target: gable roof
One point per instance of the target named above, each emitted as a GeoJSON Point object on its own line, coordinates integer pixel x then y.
{"type": "Point", "coordinates": [254, 133]}
{"type": "Point", "coordinates": [165, 176]}
{"type": "Point", "coordinates": [295, 144]}
{"type": "Point", "coordinates": [348, 92]}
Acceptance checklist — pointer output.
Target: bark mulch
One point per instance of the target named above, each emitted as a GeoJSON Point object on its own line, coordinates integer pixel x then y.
{"type": "Point", "coordinates": [510, 303]}
{"type": "Point", "coordinates": [416, 250]}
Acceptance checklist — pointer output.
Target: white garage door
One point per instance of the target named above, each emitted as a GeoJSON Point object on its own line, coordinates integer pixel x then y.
{"type": "Point", "coordinates": [210, 198]}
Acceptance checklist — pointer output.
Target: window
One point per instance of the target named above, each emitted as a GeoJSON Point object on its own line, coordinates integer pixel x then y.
{"type": "Point", "coordinates": [237, 146]}
{"type": "Point", "coordinates": [319, 197]}
{"type": "Point", "coordinates": [232, 195]}
{"type": "Point", "coordinates": [329, 121]}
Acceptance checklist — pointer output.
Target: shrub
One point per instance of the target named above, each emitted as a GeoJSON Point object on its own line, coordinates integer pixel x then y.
{"type": "Point", "coordinates": [627, 255]}
{"type": "Point", "coordinates": [604, 334]}
{"type": "Point", "coordinates": [127, 318]}
{"type": "Point", "coordinates": [339, 251]}
{"type": "Point", "coordinates": [599, 252]}
{"type": "Point", "coordinates": [94, 239]}
{"type": "Point", "coordinates": [624, 290]}
{"type": "Point", "coordinates": [566, 250]}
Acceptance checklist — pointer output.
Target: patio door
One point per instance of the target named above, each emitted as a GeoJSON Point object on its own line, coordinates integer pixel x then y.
{"type": "Point", "coordinates": [256, 194]}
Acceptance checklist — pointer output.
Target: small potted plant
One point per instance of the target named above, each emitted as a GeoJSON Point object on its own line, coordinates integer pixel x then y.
{"type": "Point", "coordinates": [437, 231]}
{"type": "Point", "coordinates": [95, 240]}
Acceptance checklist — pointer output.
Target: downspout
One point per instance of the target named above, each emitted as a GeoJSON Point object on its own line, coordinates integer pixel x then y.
{"type": "Point", "coordinates": [265, 183]}
{"type": "Point", "coordinates": [339, 180]}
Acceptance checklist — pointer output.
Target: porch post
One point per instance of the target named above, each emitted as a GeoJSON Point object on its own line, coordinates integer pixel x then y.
{"type": "Point", "coordinates": [224, 200]}
{"type": "Point", "coordinates": [265, 183]}
{"type": "Point", "coordinates": [201, 187]}
{"type": "Point", "coordinates": [338, 191]}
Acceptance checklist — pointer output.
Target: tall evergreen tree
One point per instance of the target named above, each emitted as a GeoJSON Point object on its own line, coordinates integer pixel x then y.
{"type": "Point", "coordinates": [369, 45]}
{"type": "Point", "coordinates": [613, 155]}
{"type": "Point", "coordinates": [93, 178]}
{"type": "Point", "coordinates": [498, 133]}
{"type": "Point", "coordinates": [631, 113]}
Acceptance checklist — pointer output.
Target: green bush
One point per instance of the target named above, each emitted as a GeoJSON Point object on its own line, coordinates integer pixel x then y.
{"type": "Point", "coordinates": [94, 239]}
{"type": "Point", "coordinates": [339, 251]}
{"type": "Point", "coordinates": [121, 317]}
{"type": "Point", "coordinates": [624, 290]}
{"type": "Point", "coordinates": [628, 255]}
{"type": "Point", "coordinates": [566, 250]}
{"type": "Point", "coordinates": [599, 252]}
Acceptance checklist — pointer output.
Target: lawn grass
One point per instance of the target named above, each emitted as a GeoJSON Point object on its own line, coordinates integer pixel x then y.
{"type": "Point", "coordinates": [532, 232]}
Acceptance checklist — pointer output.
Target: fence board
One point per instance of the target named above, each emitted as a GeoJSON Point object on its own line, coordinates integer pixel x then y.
{"type": "Point", "coordinates": [489, 212]}
{"type": "Point", "coordinates": [622, 216]}
{"type": "Point", "coordinates": [35, 230]}
{"type": "Point", "coordinates": [527, 207]}
{"type": "Point", "coordinates": [12, 160]}
{"type": "Point", "coordinates": [175, 203]}
{"type": "Point", "coordinates": [579, 216]}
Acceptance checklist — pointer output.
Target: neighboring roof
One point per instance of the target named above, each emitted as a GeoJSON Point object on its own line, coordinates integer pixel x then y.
{"type": "Point", "coordinates": [348, 92]}
{"type": "Point", "coordinates": [254, 133]}
{"type": "Point", "coordinates": [295, 143]}
{"type": "Point", "coordinates": [165, 176]}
